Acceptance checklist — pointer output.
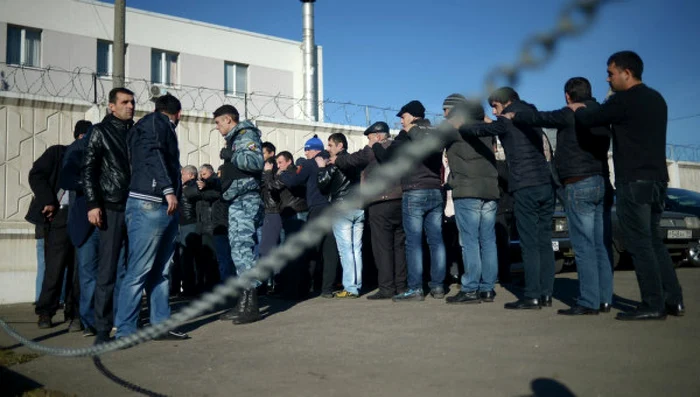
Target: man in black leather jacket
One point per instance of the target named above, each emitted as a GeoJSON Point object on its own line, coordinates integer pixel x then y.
{"type": "Point", "coordinates": [189, 240]}
{"type": "Point", "coordinates": [106, 177]}
{"type": "Point", "coordinates": [384, 215]}
{"type": "Point", "coordinates": [348, 227]}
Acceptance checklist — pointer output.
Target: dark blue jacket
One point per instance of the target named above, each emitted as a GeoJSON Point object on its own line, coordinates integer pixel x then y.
{"type": "Point", "coordinates": [154, 158]}
{"type": "Point", "coordinates": [523, 145]}
{"type": "Point", "coordinates": [79, 228]}
{"type": "Point", "coordinates": [306, 174]}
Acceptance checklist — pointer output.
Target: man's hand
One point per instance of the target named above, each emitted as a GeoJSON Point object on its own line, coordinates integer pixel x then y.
{"type": "Point", "coordinates": [509, 115]}
{"type": "Point", "coordinates": [95, 217]}
{"type": "Point", "coordinates": [267, 167]}
{"type": "Point", "coordinates": [320, 161]}
{"type": "Point", "coordinates": [487, 120]}
{"type": "Point", "coordinates": [332, 160]}
{"type": "Point", "coordinates": [576, 106]}
{"type": "Point", "coordinates": [172, 203]}
{"type": "Point", "coordinates": [49, 211]}
{"type": "Point", "coordinates": [226, 154]}
{"type": "Point", "coordinates": [201, 184]}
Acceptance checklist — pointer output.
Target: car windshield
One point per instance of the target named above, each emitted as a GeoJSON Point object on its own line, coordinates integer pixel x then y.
{"type": "Point", "coordinates": [682, 198]}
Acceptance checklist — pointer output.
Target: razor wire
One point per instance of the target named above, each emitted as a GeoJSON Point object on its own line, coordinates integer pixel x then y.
{"type": "Point", "coordinates": [311, 234]}
{"type": "Point", "coordinates": [85, 85]}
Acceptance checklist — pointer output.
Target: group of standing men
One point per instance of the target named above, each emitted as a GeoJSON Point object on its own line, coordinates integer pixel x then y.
{"type": "Point", "coordinates": [122, 184]}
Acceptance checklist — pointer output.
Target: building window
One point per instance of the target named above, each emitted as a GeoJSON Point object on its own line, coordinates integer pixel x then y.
{"type": "Point", "coordinates": [23, 46]}
{"type": "Point", "coordinates": [164, 67]}
{"type": "Point", "coordinates": [104, 58]}
{"type": "Point", "coordinates": [235, 79]}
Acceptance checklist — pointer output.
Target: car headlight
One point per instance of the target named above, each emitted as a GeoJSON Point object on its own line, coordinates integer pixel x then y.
{"type": "Point", "coordinates": [692, 222]}
{"type": "Point", "coordinates": [560, 225]}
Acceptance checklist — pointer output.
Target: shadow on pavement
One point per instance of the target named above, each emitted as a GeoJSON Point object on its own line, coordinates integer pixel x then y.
{"type": "Point", "coordinates": [14, 384]}
{"type": "Point", "coordinates": [39, 338]}
{"type": "Point", "coordinates": [546, 387]}
{"type": "Point", "coordinates": [122, 382]}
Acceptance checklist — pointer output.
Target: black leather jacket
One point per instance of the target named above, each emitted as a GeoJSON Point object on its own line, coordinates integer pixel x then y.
{"type": "Point", "coordinates": [291, 200]}
{"type": "Point", "coordinates": [106, 168]}
{"type": "Point", "coordinates": [336, 183]}
{"type": "Point", "coordinates": [270, 196]}
{"type": "Point", "coordinates": [188, 204]}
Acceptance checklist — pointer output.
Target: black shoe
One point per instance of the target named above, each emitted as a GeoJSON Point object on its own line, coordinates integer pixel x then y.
{"type": "Point", "coordinates": [327, 295]}
{"type": "Point", "coordinates": [524, 304]}
{"type": "Point", "coordinates": [546, 300]}
{"type": "Point", "coordinates": [437, 292]}
{"type": "Point", "coordinates": [89, 331]}
{"type": "Point", "coordinates": [75, 326]}
{"type": "Point", "coordinates": [677, 310]}
{"type": "Point", "coordinates": [380, 295]}
{"type": "Point", "coordinates": [102, 337]}
{"type": "Point", "coordinates": [605, 307]}
{"type": "Point", "coordinates": [464, 297]}
{"type": "Point", "coordinates": [172, 335]}
{"type": "Point", "coordinates": [487, 296]}
{"type": "Point", "coordinates": [641, 314]}
{"type": "Point", "coordinates": [44, 321]}
{"type": "Point", "coordinates": [577, 310]}
{"type": "Point", "coordinates": [250, 312]}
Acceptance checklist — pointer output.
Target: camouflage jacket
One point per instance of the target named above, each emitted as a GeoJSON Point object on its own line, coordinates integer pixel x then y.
{"type": "Point", "coordinates": [242, 173]}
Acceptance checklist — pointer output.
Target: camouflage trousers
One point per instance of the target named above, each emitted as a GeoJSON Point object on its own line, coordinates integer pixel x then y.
{"type": "Point", "coordinates": [244, 217]}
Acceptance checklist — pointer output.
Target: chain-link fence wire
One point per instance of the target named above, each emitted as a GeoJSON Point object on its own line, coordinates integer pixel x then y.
{"type": "Point", "coordinates": [312, 233]}
{"type": "Point", "coordinates": [85, 85]}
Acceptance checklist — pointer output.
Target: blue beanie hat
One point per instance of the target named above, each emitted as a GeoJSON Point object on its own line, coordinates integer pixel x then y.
{"type": "Point", "coordinates": [314, 144]}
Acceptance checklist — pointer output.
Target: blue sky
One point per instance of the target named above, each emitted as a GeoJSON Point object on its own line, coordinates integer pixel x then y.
{"type": "Point", "coordinates": [387, 52]}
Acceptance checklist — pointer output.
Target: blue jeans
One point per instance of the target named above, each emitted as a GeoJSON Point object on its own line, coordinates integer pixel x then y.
{"type": "Point", "coordinates": [223, 256]}
{"type": "Point", "coordinates": [585, 206]}
{"type": "Point", "coordinates": [40, 268]}
{"type": "Point", "coordinates": [422, 209]}
{"type": "Point", "coordinates": [152, 233]}
{"type": "Point", "coordinates": [476, 221]}
{"type": "Point", "coordinates": [88, 263]}
{"type": "Point", "coordinates": [347, 230]}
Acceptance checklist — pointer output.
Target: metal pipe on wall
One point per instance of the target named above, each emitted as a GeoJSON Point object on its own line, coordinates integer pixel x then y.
{"type": "Point", "coordinates": [310, 62]}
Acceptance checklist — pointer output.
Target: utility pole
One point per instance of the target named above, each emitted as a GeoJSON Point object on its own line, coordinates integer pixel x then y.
{"type": "Point", "coordinates": [118, 50]}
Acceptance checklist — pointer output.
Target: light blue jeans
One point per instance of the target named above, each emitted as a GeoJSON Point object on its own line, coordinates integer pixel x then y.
{"type": "Point", "coordinates": [347, 230]}
{"type": "Point", "coordinates": [422, 209]}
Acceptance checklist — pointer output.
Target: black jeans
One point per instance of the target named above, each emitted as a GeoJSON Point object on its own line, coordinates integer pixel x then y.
{"type": "Point", "coordinates": [113, 249]}
{"type": "Point", "coordinates": [388, 246]}
{"type": "Point", "coordinates": [326, 253]}
{"type": "Point", "coordinates": [534, 208]}
{"type": "Point", "coordinates": [59, 256]}
{"type": "Point", "coordinates": [639, 208]}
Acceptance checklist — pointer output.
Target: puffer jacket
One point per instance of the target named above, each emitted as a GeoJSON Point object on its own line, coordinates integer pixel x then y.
{"type": "Point", "coordinates": [106, 169]}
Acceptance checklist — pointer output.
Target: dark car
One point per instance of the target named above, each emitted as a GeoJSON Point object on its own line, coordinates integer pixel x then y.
{"type": "Point", "coordinates": [679, 228]}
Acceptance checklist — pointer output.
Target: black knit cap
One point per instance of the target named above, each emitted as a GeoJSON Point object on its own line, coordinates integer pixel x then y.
{"type": "Point", "coordinates": [414, 108]}
{"type": "Point", "coordinates": [81, 128]}
{"type": "Point", "coordinates": [452, 100]}
{"type": "Point", "coordinates": [379, 126]}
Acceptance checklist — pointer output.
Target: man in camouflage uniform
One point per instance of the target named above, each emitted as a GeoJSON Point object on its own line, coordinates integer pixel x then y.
{"type": "Point", "coordinates": [240, 185]}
